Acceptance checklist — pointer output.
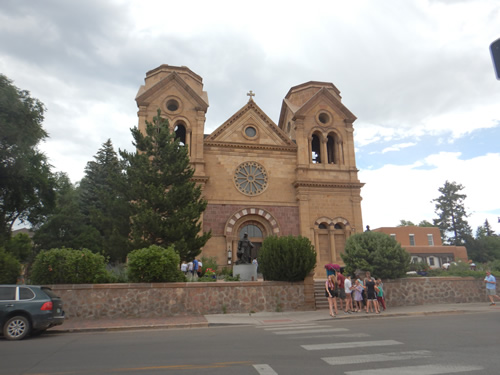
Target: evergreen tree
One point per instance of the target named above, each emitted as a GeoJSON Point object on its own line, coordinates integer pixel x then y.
{"type": "Point", "coordinates": [103, 202]}
{"type": "Point", "coordinates": [405, 223]}
{"type": "Point", "coordinates": [452, 215]}
{"type": "Point", "coordinates": [166, 204]}
{"type": "Point", "coordinates": [425, 223]}
{"type": "Point", "coordinates": [26, 180]}
{"type": "Point", "coordinates": [66, 226]}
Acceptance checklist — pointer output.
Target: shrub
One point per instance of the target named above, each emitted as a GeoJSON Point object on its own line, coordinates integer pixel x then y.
{"type": "Point", "coordinates": [208, 262]}
{"type": "Point", "coordinates": [286, 258]}
{"type": "Point", "coordinates": [154, 264]}
{"type": "Point", "coordinates": [9, 268]}
{"type": "Point", "coordinates": [69, 266]}
{"type": "Point", "coordinates": [376, 252]}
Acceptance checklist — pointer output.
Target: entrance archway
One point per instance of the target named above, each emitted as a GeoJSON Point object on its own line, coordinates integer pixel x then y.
{"type": "Point", "coordinates": [255, 233]}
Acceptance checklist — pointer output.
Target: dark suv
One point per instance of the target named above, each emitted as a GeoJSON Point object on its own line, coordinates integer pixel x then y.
{"type": "Point", "coordinates": [26, 309]}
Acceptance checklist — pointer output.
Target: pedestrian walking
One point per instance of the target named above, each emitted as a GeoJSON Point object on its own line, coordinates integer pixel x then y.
{"type": "Point", "coordinates": [331, 291]}
{"type": "Point", "coordinates": [491, 287]}
{"type": "Point", "coordinates": [184, 268]}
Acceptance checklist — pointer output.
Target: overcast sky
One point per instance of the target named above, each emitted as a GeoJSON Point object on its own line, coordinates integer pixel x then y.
{"type": "Point", "coordinates": [417, 74]}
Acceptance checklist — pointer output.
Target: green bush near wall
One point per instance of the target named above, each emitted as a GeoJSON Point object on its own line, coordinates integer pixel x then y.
{"type": "Point", "coordinates": [154, 264]}
{"type": "Point", "coordinates": [9, 268]}
{"type": "Point", "coordinates": [286, 258]}
{"type": "Point", "coordinates": [69, 266]}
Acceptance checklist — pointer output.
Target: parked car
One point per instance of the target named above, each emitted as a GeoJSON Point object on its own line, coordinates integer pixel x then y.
{"type": "Point", "coordinates": [28, 309]}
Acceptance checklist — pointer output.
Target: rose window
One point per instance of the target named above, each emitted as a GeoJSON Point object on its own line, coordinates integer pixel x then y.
{"type": "Point", "coordinates": [250, 178]}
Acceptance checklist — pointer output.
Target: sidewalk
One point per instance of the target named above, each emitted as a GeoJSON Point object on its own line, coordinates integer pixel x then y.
{"type": "Point", "coordinates": [261, 318]}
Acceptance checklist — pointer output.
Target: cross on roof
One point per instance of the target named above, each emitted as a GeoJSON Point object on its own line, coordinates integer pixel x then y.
{"type": "Point", "coordinates": [250, 94]}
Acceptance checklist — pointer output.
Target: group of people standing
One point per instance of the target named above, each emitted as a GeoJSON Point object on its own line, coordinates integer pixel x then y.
{"type": "Point", "coordinates": [192, 269]}
{"type": "Point", "coordinates": [354, 295]}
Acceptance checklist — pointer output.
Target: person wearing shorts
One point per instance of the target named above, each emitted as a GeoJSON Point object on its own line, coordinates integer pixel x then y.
{"type": "Point", "coordinates": [341, 296]}
{"type": "Point", "coordinates": [371, 295]}
{"type": "Point", "coordinates": [491, 287]}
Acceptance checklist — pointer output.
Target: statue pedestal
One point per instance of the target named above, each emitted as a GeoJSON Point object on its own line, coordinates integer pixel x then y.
{"type": "Point", "coordinates": [247, 272]}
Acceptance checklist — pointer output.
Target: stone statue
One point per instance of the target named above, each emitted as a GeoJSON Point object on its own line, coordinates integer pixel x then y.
{"type": "Point", "coordinates": [245, 246]}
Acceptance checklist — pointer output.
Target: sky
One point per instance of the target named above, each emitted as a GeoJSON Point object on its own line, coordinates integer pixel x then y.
{"type": "Point", "coordinates": [417, 74]}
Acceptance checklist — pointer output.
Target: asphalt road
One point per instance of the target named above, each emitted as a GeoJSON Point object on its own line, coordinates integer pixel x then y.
{"type": "Point", "coordinates": [444, 344]}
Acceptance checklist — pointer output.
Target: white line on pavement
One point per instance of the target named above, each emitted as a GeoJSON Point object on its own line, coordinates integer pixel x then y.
{"type": "Point", "coordinates": [320, 330]}
{"type": "Point", "coordinates": [348, 345]}
{"type": "Point", "coordinates": [343, 335]}
{"type": "Point", "coordinates": [365, 358]}
{"type": "Point", "coordinates": [295, 327]}
{"type": "Point", "coordinates": [417, 370]}
{"type": "Point", "coordinates": [265, 370]}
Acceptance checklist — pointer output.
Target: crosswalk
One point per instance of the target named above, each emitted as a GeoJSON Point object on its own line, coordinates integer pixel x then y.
{"type": "Point", "coordinates": [383, 363]}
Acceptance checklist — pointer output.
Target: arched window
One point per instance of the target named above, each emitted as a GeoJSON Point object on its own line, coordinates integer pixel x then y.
{"type": "Point", "coordinates": [180, 132]}
{"type": "Point", "coordinates": [316, 149]}
{"type": "Point", "coordinates": [339, 226]}
{"type": "Point", "coordinates": [252, 230]}
{"type": "Point", "coordinates": [323, 226]}
{"type": "Point", "coordinates": [330, 149]}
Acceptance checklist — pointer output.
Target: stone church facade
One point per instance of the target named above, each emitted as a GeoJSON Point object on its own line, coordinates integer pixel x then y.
{"type": "Point", "coordinates": [297, 177]}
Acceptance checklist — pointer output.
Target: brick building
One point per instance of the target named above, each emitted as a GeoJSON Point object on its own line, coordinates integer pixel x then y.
{"type": "Point", "coordinates": [424, 245]}
{"type": "Point", "coordinates": [297, 177]}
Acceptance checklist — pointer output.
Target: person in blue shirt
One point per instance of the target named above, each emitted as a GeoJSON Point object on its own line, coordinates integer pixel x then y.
{"type": "Point", "coordinates": [491, 287]}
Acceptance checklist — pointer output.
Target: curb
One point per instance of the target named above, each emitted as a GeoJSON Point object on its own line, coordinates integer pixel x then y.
{"type": "Point", "coordinates": [130, 328]}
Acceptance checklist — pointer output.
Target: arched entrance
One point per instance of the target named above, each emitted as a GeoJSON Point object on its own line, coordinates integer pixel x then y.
{"type": "Point", "coordinates": [255, 233]}
{"type": "Point", "coordinates": [257, 222]}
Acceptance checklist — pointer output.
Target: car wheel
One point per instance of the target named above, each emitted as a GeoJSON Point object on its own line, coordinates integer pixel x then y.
{"type": "Point", "coordinates": [16, 328]}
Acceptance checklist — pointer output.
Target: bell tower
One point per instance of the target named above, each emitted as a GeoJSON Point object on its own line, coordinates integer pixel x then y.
{"type": "Point", "coordinates": [178, 93]}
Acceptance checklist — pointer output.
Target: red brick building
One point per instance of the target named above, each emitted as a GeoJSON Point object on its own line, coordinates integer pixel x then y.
{"type": "Point", "coordinates": [424, 245]}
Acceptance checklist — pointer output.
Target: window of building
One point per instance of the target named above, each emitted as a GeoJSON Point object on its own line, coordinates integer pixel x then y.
{"type": "Point", "coordinates": [393, 236]}
{"type": "Point", "coordinates": [323, 226]}
{"type": "Point", "coordinates": [180, 132]}
{"type": "Point", "coordinates": [250, 178]}
{"type": "Point", "coordinates": [430, 240]}
{"type": "Point", "coordinates": [172, 105]}
{"type": "Point", "coordinates": [316, 149]}
{"type": "Point", "coordinates": [252, 231]}
{"type": "Point", "coordinates": [339, 226]}
{"type": "Point", "coordinates": [412, 240]}
{"type": "Point", "coordinates": [431, 261]}
{"type": "Point", "coordinates": [330, 149]}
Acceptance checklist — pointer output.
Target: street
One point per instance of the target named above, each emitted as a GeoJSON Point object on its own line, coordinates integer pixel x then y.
{"type": "Point", "coordinates": [434, 344]}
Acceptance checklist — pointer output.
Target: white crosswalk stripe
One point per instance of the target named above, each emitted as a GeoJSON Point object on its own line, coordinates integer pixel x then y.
{"type": "Point", "coordinates": [366, 358]}
{"type": "Point", "coordinates": [298, 327]}
{"type": "Point", "coordinates": [417, 370]}
{"type": "Point", "coordinates": [349, 345]}
{"type": "Point", "coordinates": [315, 330]}
{"type": "Point", "coordinates": [340, 335]}
{"type": "Point", "coordinates": [264, 369]}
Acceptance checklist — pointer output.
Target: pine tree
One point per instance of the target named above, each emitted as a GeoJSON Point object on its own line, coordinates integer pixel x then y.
{"type": "Point", "coordinates": [103, 202]}
{"type": "Point", "coordinates": [452, 215]}
{"type": "Point", "coordinates": [166, 203]}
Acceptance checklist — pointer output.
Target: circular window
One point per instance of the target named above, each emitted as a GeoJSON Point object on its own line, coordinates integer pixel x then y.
{"type": "Point", "coordinates": [250, 131]}
{"type": "Point", "coordinates": [250, 178]}
{"type": "Point", "coordinates": [324, 118]}
{"type": "Point", "coordinates": [172, 105]}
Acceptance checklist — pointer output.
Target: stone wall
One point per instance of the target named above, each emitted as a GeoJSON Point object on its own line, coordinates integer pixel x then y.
{"type": "Point", "coordinates": [94, 301]}
{"type": "Point", "coordinates": [87, 301]}
{"type": "Point", "coordinates": [428, 290]}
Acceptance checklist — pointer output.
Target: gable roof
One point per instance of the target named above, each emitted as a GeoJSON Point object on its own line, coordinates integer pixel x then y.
{"type": "Point", "coordinates": [250, 113]}
{"type": "Point", "coordinates": [145, 96]}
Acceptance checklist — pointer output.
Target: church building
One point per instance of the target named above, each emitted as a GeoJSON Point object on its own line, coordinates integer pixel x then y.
{"type": "Point", "coordinates": [297, 177]}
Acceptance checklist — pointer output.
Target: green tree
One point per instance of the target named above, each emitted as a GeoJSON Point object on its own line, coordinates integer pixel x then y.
{"type": "Point", "coordinates": [26, 180]}
{"type": "Point", "coordinates": [485, 230]}
{"type": "Point", "coordinates": [103, 202]}
{"type": "Point", "coordinates": [405, 223]}
{"type": "Point", "coordinates": [376, 252]}
{"type": "Point", "coordinates": [10, 268]}
{"type": "Point", "coordinates": [69, 266]}
{"type": "Point", "coordinates": [451, 214]}
{"type": "Point", "coordinates": [154, 264]}
{"type": "Point", "coordinates": [20, 246]}
{"type": "Point", "coordinates": [166, 204]}
{"type": "Point", "coordinates": [66, 226]}
{"type": "Point", "coordinates": [425, 223]}
{"type": "Point", "coordinates": [286, 258]}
